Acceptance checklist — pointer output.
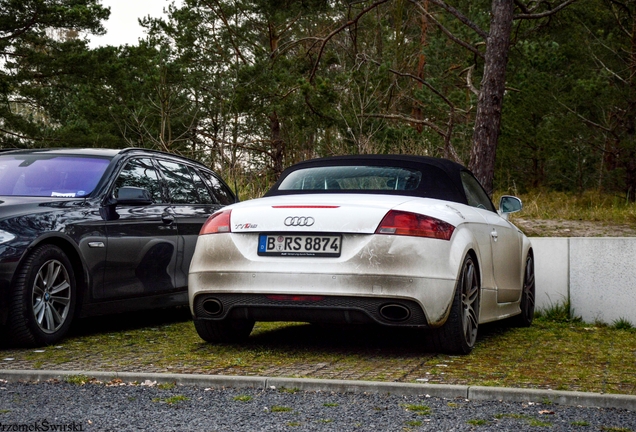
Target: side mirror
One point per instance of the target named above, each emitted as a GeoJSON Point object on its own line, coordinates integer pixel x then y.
{"type": "Point", "coordinates": [509, 204]}
{"type": "Point", "coordinates": [129, 195]}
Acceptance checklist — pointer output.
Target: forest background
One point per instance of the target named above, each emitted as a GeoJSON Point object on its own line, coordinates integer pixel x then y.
{"type": "Point", "coordinates": [251, 86]}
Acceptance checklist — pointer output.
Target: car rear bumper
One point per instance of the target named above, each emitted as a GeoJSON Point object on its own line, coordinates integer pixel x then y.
{"type": "Point", "coordinates": [315, 309]}
{"type": "Point", "coordinates": [388, 300]}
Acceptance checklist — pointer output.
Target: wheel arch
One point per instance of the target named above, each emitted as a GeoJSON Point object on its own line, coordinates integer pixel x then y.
{"type": "Point", "coordinates": [526, 252]}
{"type": "Point", "coordinates": [475, 258]}
{"type": "Point", "coordinates": [529, 252]}
{"type": "Point", "coordinates": [469, 250]}
{"type": "Point", "coordinates": [455, 336]}
{"type": "Point", "coordinates": [526, 248]}
{"type": "Point", "coordinates": [466, 243]}
{"type": "Point", "coordinates": [71, 250]}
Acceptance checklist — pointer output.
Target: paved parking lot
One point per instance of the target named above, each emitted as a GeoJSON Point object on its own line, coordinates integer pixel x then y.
{"type": "Point", "coordinates": [545, 356]}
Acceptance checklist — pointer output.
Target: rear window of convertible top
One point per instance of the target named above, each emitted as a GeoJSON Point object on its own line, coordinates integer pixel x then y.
{"type": "Point", "coordinates": [430, 182]}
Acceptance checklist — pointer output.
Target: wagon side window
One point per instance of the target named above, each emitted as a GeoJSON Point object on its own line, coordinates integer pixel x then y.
{"type": "Point", "coordinates": [180, 185]}
{"type": "Point", "coordinates": [220, 191]}
{"type": "Point", "coordinates": [140, 173]}
{"type": "Point", "coordinates": [202, 190]}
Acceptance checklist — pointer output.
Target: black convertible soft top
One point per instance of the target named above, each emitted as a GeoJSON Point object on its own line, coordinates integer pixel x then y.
{"type": "Point", "coordinates": [441, 178]}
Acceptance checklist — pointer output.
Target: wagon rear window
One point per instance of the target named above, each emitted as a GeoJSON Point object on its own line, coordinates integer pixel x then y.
{"type": "Point", "coordinates": [50, 176]}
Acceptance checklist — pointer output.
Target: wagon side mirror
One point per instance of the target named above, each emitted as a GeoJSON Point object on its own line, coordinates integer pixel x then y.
{"type": "Point", "coordinates": [509, 204]}
{"type": "Point", "coordinates": [128, 195]}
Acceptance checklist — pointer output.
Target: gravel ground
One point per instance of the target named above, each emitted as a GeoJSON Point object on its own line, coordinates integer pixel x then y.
{"type": "Point", "coordinates": [124, 407]}
{"type": "Point", "coordinates": [572, 228]}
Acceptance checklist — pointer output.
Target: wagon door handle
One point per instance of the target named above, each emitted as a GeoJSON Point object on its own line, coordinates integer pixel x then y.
{"type": "Point", "coordinates": [494, 235]}
{"type": "Point", "coordinates": [167, 218]}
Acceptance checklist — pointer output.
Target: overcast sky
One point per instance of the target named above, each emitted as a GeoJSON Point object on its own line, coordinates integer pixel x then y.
{"type": "Point", "coordinates": [122, 26]}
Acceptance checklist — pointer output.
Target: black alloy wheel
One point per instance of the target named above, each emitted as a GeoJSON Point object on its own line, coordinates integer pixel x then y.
{"type": "Point", "coordinates": [459, 334]}
{"type": "Point", "coordinates": [525, 318]}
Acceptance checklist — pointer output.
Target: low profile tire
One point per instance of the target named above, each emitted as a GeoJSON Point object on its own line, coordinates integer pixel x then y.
{"type": "Point", "coordinates": [459, 333]}
{"type": "Point", "coordinates": [524, 319]}
{"type": "Point", "coordinates": [227, 330]}
{"type": "Point", "coordinates": [43, 298]}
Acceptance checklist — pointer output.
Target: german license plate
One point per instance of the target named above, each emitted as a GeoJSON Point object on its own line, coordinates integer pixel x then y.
{"type": "Point", "coordinates": [324, 246]}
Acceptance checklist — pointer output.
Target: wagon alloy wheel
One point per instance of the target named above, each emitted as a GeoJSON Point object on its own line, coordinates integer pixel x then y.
{"type": "Point", "coordinates": [43, 298]}
{"type": "Point", "coordinates": [51, 296]}
{"type": "Point", "coordinates": [524, 319]}
{"type": "Point", "coordinates": [459, 333]}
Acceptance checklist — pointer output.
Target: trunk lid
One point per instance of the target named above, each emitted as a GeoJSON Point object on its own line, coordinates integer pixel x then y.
{"type": "Point", "coordinates": [328, 213]}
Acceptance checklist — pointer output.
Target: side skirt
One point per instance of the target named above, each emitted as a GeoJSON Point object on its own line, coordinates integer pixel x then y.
{"type": "Point", "coordinates": [490, 310]}
{"type": "Point", "coordinates": [134, 304]}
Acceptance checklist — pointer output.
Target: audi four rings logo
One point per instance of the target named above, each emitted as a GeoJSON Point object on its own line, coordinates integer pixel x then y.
{"type": "Point", "coordinates": [305, 221]}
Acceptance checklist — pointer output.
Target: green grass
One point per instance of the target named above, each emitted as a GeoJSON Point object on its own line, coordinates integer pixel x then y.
{"type": "Point", "coordinates": [167, 386]}
{"type": "Point", "coordinates": [588, 357]}
{"type": "Point", "coordinates": [418, 409]}
{"type": "Point", "coordinates": [477, 422]}
{"type": "Point", "coordinates": [77, 379]}
{"type": "Point", "coordinates": [589, 206]}
{"type": "Point", "coordinates": [560, 312]}
{"type": "Point", "coordinates": [243, 398]}
{"type": "Point", "coordinates": [531, 421]}
{"type": "Point", "coordinates": [580, 423]}
{"type": "Point", "coordinates": [622, 324]}
{"type": "Point", "coordinates": [172, 400]}
{"type": "Point", "coordinates": [278, 409]}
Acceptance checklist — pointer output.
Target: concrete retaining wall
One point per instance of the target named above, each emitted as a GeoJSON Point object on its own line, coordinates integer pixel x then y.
{"type": "Point", "coordinates": [598, 275]}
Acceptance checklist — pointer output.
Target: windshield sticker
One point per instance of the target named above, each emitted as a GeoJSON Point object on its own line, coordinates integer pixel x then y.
{"type": "Point", "coordinates": [63, 195]}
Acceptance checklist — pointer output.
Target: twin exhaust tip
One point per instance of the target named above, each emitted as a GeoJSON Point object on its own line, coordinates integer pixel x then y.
{"type": "Point", "coordinates": [212, 307]}
{"type": "Point", "coordinates": [394, 312]}
{"type": "Point", "coordinates": [391, 311]}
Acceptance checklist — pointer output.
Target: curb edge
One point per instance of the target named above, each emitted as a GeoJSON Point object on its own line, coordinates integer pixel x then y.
{"type": "Point", "coordinates": [506, 394]}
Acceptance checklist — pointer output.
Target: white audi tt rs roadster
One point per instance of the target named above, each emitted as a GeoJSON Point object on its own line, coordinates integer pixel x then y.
{"type": "Point", "coordinates": [402, 241]}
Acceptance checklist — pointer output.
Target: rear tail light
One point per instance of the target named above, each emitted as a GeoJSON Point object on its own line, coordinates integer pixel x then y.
{"type": "Point", "coordinates": [217, 223]}
{"type": "Point", "coordinates": [410, 224]}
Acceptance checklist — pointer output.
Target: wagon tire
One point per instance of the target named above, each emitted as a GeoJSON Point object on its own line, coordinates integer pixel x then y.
{"type": "Point", "coordinates": [525, 318]}
{"type": "Point", "coordinates": [227, 330]}
{"type": "Point", "coordinates": [459, 333]}
{"type": "Point", "coordinates": [42, 300]}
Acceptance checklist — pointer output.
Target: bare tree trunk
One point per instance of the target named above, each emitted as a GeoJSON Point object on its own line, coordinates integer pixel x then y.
{"type": "Point", "coordinates": [493, 85]}
{"type": "Point", "coordinates": [630, 119]}
{"type": "Point", "coordinates": [277, 152]}
{"type": "Point", "coordinates": [416, 112]}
